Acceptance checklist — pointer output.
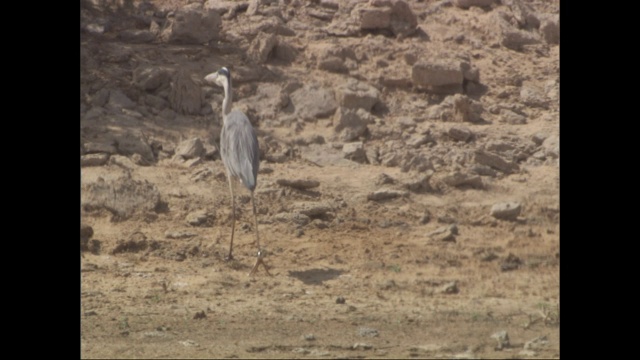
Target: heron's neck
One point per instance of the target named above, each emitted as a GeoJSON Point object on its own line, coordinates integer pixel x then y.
{"type": "Point", "coordinates": [226, 103]}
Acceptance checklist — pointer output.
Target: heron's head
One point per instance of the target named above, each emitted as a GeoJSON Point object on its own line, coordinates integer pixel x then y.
{"type": "Point", "coordinates": [221, 77]}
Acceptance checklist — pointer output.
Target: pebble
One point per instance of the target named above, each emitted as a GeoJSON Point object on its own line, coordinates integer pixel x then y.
{"type": "Point", "coordinates": [512, 262]}
{"type": "Point", "coordinates": [301, 184]}
{"type": "Point", "coordinates": [503, 339]}
{"type": "Point", "coordinates": [311, 208]}
{"type": "Point", "coordinates": [189, 343]}
{"type": "Point", "coordinates": [459, 133]}
{"type": "Point", "coordinates": [179, 234]}
{"type": "Point", "coordinates": [368, 332]}
{"type": "Point", "coordinates": [449, 288]}
{"type": "Point", "coordinates": [385, 194]}
{"type": "Point", "coordinates": [506, 210]}
{"type": "Point", "coordinates": [536, 344]}
{"type": "Point", "coordinates": [94, 159]}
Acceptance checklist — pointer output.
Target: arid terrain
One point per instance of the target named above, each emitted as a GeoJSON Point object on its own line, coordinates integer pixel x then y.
{"type": "Point", "coordinates": [408, 192]}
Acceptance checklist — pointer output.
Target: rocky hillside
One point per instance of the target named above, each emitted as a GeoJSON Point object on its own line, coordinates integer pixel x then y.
{"type": "Point", "coordinates": [422, 133]}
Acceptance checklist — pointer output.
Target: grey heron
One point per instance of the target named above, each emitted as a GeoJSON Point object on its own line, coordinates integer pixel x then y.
{"type": "Point", "coordinates": [240, 154]}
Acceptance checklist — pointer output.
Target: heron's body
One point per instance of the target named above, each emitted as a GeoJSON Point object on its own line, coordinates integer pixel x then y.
{"type": "Point", "coordinates": [239, 149]}
{"type": "Point", "coordinates": [239, 152]}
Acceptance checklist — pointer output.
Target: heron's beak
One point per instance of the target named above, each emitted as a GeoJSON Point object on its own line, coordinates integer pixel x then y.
{"type": "Point", "coordinates": [211, 78]}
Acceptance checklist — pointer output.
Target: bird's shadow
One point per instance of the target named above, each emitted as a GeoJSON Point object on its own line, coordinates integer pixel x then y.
{"type": "Point", "coordinates": [316, 276]}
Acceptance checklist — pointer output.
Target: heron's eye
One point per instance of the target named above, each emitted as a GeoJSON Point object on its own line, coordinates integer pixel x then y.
{"type": "Point", "coordinates": [224, 71]}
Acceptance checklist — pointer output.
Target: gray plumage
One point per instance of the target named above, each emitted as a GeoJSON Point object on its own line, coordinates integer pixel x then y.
{"type": "Point", "coordinates": [239, 149]}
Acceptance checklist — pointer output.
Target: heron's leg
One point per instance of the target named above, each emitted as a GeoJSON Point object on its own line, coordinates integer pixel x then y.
{"type": "Point", "coordinates": [255, 219]}
{"type": "Point", "coordinates": [233, 218]}
{"type": "Point", "coordinates": [261, 254]}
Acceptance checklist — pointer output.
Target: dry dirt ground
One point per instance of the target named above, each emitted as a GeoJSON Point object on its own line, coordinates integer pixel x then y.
{"type": "Point", "coordinates": [363, 278]}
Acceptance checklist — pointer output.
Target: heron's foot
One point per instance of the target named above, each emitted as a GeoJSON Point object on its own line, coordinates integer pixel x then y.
{"type": "Point", "coordinates": [259, 261]}
{"type": "Point", "coordinates": [228, 257]}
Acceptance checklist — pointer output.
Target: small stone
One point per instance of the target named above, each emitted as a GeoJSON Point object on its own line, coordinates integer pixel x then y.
{"type": "Point", "coordinates": [459, 133]}
{"type": "Point", "coordinates": [512, 262]}
{"type": "Point", "coordinates": [384, 179]}
{"type": "Point", "coordinates": [439, 77]}
{"type": "Point", "coordinates": [406, 122]}
{"type": "Point", "coordinates": [362, 346]}
{"type": "Point", "coordinates": [94, 159]}
{"type": "Point", "coordinates": [295, 218]}
{"type": "Point", "coordinates": [310, 208]}
{"type": "Point", "coordinates": [512, 118]}
{"type": "Point", "coordinates": [351, 123]}
{"type": "Point", "coordinates": [420, 183]}
{"type": "Point", "coordinates": [503, 339]}
{"type": "Point", "coordinates": [529, 353]}
{"type": "Point", "coordinates": [354, 152]}
{"type": "Point", "coordinates": [136, 36]}
{"type": "Point", "coordinates": [319, 224]}
{"type": "Point", "coordinates": [179, 234]}
{"type": "Point", "coordinates": [536, 344]}
{"type": "Point", "coordinates": [333, 64]}
{"type": "Point", "coordinates": [495, 161]}
{"type": "Point", "coordinates": [425, 218]}
{"type": "Point", "coordinates": [198, 218]}
{"type": "Point", "coordinates": [190, 149]}
{"type": "Point", "coordinates": [309, 337]}
{"type": "Point", "coordinates": [550, 28]}
{"type": "Point", "coordinates": [86, 232]}
{"type": "Point", "coordinates": [367, 332]}
{"type": "Point", "coordinates": [417, 140]}
{"type": "Point", "coordinates": [118, 100]}
{"type": "Point", "coordinates": [122, 161]}
{"type": "Point", "coordinates": [445, 233]}
{"type": "Point", "coordinates": [192, 162]}
{"type": "Point", "coordinates": [95, 29]}
{"type": "Point", "coordinates": [100, 98]}
{"type": "Point", "coordinates": [515, 39]}
{"type": "Point", "coordinates": [551, 147]}
{"type": "Point", "coordinates": [191, 24]}
{"type": "Point", "coordinates": [301, 184]}
{"type": "Point", "coordinates": [313, 101]}
{"type": "Point", "coordinates": [130, 143]}
{"type": "Point", "coordinates": [319, 14]}
{"type": "Point", "coordinates": [92, 148]}
{"type": "Point", "coordinates": [200, 315]}
{"type": "Point", "coordinates": [385, 194]}
{"type": "Point", "coordinates": [189, 343]}
{"type": "Point", "coordinates": [533, 96]}
{"type": "Point", "coordinates": [330, 4]}
{"type": "Point", "coordinates": [387, 285]}
{"type": "Point", "coordinates": [357, 94]}
{"type": "Point", "coordinates": [506, 211]}
{"type": "Point", "coordinates": [457, 178]}
{"type": "Point", "coordinates": [483, 170]}
{"type": "Point", "coordinates": [449, 288]}
{"type": "Point", "coordinates": [539, 138]}
{"type": "Point", "coordinates": [262, 47]}
{"type": "Point", "coordinates": [465, 4]}
{"type": "Point", "coordinates": [151, 78]}
{"type": "Point", "coordinates": [302, 351]}
{"type": "Point", "coordinates": [465, 355]}
{"type": "Point", "coordinates": [539, 155]}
